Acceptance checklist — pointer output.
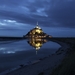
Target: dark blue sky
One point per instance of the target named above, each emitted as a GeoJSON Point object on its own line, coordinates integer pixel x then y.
{"type": "Point", "coordinates": [58, 15]}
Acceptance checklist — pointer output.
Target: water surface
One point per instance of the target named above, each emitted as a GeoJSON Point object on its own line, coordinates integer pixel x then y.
{"type": "Point", "coordinates": [20, 52]}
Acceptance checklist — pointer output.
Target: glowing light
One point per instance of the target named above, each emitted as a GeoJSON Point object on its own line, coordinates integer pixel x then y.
{"type": "Point", "coordinates": [37, 30]}
{"type": "Point", "coordinates": [37, 45]}
{"type": "Point", "coordinates": [38, 27]}
{"type": "Point", "coordinates": [37, 48]}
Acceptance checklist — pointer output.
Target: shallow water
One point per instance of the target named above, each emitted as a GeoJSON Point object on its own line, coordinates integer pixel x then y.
{"type": "Point", "coordinates": [20, 52]}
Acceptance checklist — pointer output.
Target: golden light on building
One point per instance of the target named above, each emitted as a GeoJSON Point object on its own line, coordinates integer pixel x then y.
{"type": "Point", "coordinates": [36, 37]}
{"type": "Point", "coordinates": [37, 32]}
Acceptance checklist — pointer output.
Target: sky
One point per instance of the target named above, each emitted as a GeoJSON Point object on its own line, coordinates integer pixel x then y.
{"type": "Point", "coordinates": [56, 17]}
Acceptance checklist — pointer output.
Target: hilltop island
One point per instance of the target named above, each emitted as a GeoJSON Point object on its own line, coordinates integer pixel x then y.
{"type": "Point", "coordinates": [37, 32]}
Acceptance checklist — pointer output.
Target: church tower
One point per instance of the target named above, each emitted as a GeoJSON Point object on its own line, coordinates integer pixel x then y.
{"type": "Point", "coordinates": [37, 26]}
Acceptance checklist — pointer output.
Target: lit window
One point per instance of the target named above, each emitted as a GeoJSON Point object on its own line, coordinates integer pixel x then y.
{"type": "Point", "coordinates": [39, 31]}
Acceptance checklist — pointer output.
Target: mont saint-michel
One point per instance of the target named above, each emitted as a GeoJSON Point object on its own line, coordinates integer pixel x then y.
{"type": "Point", "coordinates": [37, 32]}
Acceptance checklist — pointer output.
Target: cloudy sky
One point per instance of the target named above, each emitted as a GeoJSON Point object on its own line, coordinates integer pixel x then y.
{"type": "Point", "coordinates": [54, 14]}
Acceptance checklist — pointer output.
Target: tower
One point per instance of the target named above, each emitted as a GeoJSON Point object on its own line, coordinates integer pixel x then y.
{"type": "Point", "coordinates": [37, 26]}
{"type": "Point", "coordinates": [37, 23]}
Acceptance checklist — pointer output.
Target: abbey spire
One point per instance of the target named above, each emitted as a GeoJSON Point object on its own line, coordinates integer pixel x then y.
{"type": "Point", "coordinates": [37, 26]}
{"type": "Point", "coordinates": [37, 23]}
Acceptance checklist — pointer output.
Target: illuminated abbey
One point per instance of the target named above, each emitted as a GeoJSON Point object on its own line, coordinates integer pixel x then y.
{"type": "Point", "coordinates": [36, 32]}
{"type": "Point", "coordinates": [36, 37]}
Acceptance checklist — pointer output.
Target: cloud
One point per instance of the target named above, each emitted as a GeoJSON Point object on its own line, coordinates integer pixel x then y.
{"type": "Point", "coordinates": [53, 13]}
{"type": "Point", "coordinates": [63, 13]}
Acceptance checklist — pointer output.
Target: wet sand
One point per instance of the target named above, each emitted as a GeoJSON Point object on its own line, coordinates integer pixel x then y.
{"type": "Point", "coordinates": [42, 66]}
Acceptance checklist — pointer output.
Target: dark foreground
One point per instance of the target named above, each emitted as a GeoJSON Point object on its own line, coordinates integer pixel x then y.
{"type": "Point", "coordinates": [67, 67]}
{"type": "Point", "coordinates": [64, 57]}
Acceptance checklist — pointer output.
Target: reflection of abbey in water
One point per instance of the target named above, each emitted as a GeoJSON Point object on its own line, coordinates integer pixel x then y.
{"type": "Point", "coordinates": [36, 43]}
{"type": "Point", "coordinates": [37, 32]}
{"type": "Point", "coordinates": [36, 37]}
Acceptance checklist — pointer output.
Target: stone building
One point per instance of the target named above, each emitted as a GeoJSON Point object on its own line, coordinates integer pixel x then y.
{"type": "Point", "coordinates": [36, 32]}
